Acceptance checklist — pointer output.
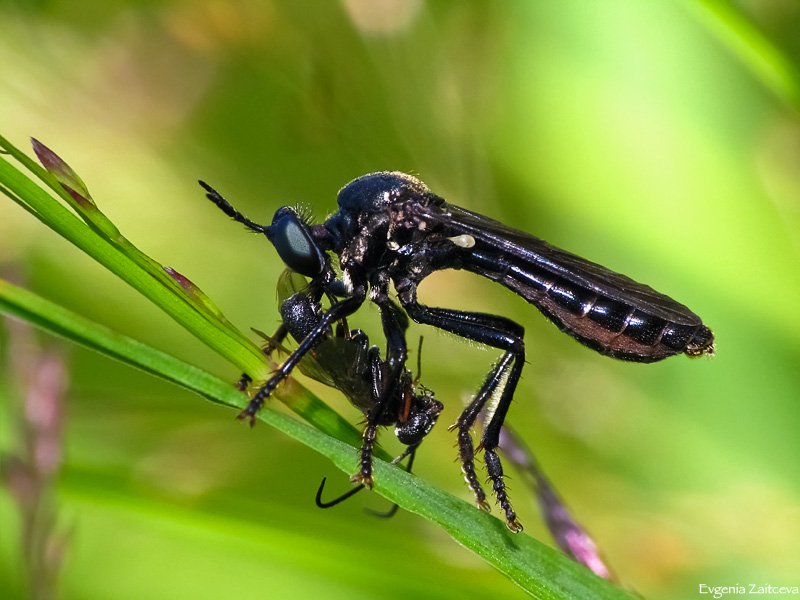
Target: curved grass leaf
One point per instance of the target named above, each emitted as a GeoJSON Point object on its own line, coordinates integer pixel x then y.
{"type": "Point", "coordinates": [538, 569]}
{"type": "Point", "coordinates": [102, 241]}
{"type": "Point", "coordinates": [756, 51]}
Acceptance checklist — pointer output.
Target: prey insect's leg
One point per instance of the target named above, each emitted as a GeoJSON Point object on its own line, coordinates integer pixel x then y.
{"type": "Point", "coordinates": [334, 313]}
{"type": "Point", "coordinates": [498, 332]}
{"type": "Point", "coordinates": [335, 501]}
{"type": "Point", "coordinates": [275, 341]}
{"type": "Point", "coordinates": [411, 452]}
{"type": "Point", "coordinates": [280, 334]}
{"type": "Point", "coordinates": [244, 382]}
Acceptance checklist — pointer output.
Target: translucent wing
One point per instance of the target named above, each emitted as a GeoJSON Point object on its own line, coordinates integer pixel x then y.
{"type": "Point", "coordinates": [339, 360]}
{"type": "Point", "coordinates": [528, 252]}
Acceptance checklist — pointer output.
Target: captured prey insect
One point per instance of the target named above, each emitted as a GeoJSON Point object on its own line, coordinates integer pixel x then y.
{"type": "Point", "coordinates": [344, 359]}
{"type": "Point", "coordinates": [391, 229]}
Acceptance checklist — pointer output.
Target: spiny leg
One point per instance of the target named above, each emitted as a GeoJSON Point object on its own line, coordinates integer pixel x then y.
{"type": "Point", "coordinates": [491, 440]}
{"type": "Point", "coordinates": [385, 379]}
{"type": "Point", "coordinates": [498, 332]}
{"type": "Point", "coordinates": [465, 422]}
{"type": "Point", "coordinates": [384, 386]}
{"type": "Point", "coordinates": [364, 476]}
{"type": "Point", "coordinates": [334, 313]}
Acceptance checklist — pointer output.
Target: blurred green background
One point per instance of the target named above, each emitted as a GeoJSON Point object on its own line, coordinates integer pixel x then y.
{"type": "Point", "coordinates": [632, 133]}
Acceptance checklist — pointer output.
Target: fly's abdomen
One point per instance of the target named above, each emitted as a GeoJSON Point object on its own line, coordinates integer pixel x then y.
{"type": "Point", "coordinates": [610, 326]}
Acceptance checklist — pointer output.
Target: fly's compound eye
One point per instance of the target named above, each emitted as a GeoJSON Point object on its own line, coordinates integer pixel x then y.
{"type": "Point", "coordinates": [292, 239]}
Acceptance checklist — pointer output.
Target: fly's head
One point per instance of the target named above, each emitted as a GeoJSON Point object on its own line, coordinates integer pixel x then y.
{"type": "Point", "coordinates": [300, 245]}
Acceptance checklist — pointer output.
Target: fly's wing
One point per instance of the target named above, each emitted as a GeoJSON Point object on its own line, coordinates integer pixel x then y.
{"type": "Point", "coordinates": [289, 284]}
{"type": "Point", "coordinates": [524, 249]}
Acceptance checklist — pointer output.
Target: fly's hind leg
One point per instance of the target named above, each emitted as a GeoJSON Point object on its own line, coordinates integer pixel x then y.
{"type": "Point", "coordinates": [498, 332]}
{"type": "Point", "coordinates": [464, 424]}
{"type": "Point", "coordinates": [491, 440]}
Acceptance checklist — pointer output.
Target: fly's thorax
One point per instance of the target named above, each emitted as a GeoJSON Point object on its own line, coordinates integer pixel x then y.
{"type": "Point", "coordinates": [374, 191]}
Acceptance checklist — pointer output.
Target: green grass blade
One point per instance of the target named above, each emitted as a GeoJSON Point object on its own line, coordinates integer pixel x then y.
{"type": "Point", "coordinates": [58, 320]}
{"type": "Point", "coordinates": [162, 290]}
{"type": "Point", "coordinates": [538, 569]}
{"type": "Point", "coordinates": [753, 48]}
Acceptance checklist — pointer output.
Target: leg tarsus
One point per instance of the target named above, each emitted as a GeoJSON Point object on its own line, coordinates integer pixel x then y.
{"type": "Point", "coordinates": [466, 453]}
{"type": "Point", "coordinates": [364, 476]}
{"type": "Point", "coordinates": [244, 382]}
{"type": "Point", "coordinates": [466, 447]}
{"type": "Point", "coordinates": [495, 470]}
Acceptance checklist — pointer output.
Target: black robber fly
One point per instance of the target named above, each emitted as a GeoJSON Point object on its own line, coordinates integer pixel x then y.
{"type": "Point", "coordinates": [391, 229]}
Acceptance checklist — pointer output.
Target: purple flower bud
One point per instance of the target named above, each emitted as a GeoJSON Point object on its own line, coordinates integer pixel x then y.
{"type": "Point", "coordinates": [566, 531]}
{"type": "Point", "coordinates": [68, 178]}
{"type": "Point", "coordinates": [44, 412]}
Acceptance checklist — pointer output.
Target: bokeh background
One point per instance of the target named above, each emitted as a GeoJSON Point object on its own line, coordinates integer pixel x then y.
{"type": "Point", "coordinates": [636, 134]}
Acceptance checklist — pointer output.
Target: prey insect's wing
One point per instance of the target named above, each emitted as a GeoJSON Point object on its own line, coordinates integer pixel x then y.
{"type": "Point", "coordinates": [309, 365]}
{"type": "Point", "coordinates": [535, 256]}
{"type": "Point", "coordinates": [338, 361]}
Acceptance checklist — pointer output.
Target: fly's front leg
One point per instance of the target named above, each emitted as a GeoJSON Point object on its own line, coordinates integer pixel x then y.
{"type": "Point", "coordinates": [334, 313]}
{"type": "Point", "coordinates": [498, 332]}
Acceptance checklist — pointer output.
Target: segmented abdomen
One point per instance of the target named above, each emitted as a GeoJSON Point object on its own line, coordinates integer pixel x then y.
{"type": "Point", "coordinates": [609, 326]}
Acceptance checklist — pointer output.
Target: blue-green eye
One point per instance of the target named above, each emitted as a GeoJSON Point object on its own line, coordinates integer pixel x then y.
{"type": "Point", "coordinates": [292, 239]}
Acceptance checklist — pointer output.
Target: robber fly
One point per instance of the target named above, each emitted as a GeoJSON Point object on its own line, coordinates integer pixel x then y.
{"type": "Point", "coordinates": [344, 359]}
{"type": "Point", "coordinates": [391, 229]}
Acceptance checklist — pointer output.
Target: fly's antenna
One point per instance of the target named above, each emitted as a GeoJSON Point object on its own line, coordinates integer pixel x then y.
{"type": "Point", "coordinates": [226, 207]}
